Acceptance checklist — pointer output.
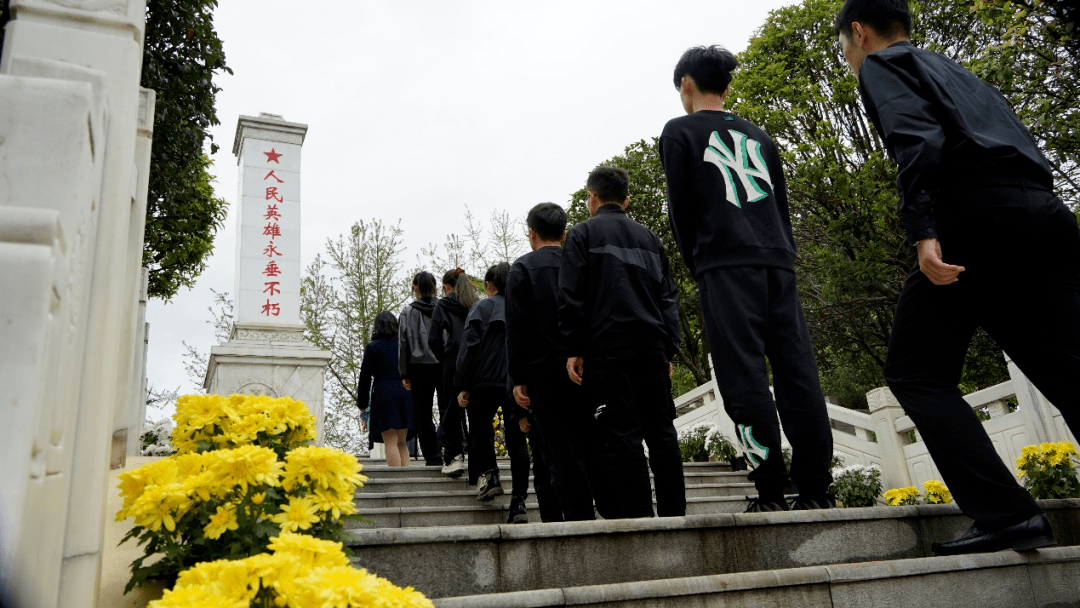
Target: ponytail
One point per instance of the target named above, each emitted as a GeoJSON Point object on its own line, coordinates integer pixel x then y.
{"type": "Point", "coordinates": [465, 291]}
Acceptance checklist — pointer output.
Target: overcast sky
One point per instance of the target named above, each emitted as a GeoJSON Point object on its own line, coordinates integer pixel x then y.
{"type": "Point", "coordinates": [417, 109]}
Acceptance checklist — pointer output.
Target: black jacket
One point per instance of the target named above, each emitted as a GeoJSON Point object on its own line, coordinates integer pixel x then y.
{"type": "Point", "coordinates": [946, 129]}
{"type": "Point", "coordinates": [727, 198]}
{"type": "Point", "coordinates": [447, 325]}
{"type": "Point", "coordinates": [616, 294]}
{"type": "Point", "coordinates": [532, 320]}
{"type": "Point", "coordinates": [413, 329]}
{"type": "Point", "coordinates": [481, 361]}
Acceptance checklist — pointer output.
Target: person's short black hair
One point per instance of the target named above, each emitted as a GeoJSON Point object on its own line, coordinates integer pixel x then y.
{"type": "Point", "coordinates": [886, 17]}
{"type": "Point", "coordinates": [386, 326]}
{"type": "Point", "coordinates": [548, 220]}
{"type": "Point", "coordinates": [496, 275]}
{"type": "Point", "coordinates": [610, 184]}
{"type": "Point", "coordinates": [425, 282]}
{"type": "Point", "coordinates": [709, 66]}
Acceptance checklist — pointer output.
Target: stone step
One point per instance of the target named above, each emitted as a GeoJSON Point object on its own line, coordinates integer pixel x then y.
{"type": "Point", "coordinates": [461, 496]}
{"type": "Point", "coordinates": [1045, 577]}
{"type": "Point", "coordinates": [485, 559]}
{"type": "Point", "coordinates": [379, 484]}
{"type": "Point", "coordinates": [496, 511]}
{"type": "Point", "coordinates": [377, 470]}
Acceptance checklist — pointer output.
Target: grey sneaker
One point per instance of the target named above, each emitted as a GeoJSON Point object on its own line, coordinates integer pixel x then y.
{"type": "Point", "coordinates": [456, 466]}
{"type": "Point", "coordinates": [757, 505]}
{"type": "Point", "coordinates": [489, 486]}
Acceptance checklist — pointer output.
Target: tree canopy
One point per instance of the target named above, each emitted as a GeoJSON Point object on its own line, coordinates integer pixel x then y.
{"type": "Point", "coordinates": [181, 55]}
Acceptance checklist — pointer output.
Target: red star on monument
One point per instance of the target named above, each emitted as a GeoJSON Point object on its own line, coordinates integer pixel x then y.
{"type": "Point", "coordinates": [272, 156]}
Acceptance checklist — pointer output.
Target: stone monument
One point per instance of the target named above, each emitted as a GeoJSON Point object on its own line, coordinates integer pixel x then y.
{"type": "Point", "coordinates": [266, 352]}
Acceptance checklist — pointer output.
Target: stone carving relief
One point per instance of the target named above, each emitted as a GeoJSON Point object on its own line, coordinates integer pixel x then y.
{"type": "Point", "coordinates": [259, 335]}
{"type": "Point", "coordinates": [113, 6]}
{"type": "Point", "coordinates": [256, 388]}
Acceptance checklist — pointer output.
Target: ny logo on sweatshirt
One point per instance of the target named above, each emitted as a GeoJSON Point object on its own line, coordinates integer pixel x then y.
{"type": "Point", "coordinates": [747, 152]}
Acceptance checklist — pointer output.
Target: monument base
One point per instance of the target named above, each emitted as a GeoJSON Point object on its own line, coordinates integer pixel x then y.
{"type": "Point", "coordinates": [273, 361]}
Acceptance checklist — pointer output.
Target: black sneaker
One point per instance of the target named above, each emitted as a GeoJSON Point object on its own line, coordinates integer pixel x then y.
{"type": "Point", "coordinates": [517, 511]}
{"type": "Point", "coordinates": [490, 487]}
{"type": "Point", "coordinates": [759, 505]}
{"type": "Point", "coordinates": [804, 504]}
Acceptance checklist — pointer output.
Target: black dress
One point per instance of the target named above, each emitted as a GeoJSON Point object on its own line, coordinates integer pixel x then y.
{"type": "Point", "coordinates": [391, 405]}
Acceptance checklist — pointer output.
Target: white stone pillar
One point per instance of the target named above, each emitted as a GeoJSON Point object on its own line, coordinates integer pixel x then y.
{"type": "Point", "coordinates": [884, 411]}
{"type": "Point", "coordinates": [266, 352]}
{"type": "Point", "coordinates": [1033, 405]}
{"type": "Point", "coordinates": [100, 41]}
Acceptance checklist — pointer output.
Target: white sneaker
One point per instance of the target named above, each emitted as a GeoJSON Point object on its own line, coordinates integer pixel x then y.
{"type": "Point", "coordinates": [456, 467]}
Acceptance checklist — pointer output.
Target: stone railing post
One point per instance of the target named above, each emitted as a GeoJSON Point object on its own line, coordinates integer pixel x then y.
{"type": "Point", "coordinates": [884, 411]}
{"type": "Point", "coordinates": [1032, 404]}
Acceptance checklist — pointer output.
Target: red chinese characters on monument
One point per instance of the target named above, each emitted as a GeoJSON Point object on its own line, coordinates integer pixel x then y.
{"type": "Point", "coordinates": [272, 230]}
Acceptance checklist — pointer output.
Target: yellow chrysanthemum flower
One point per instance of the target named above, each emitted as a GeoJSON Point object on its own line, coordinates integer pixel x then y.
{"type": "Point", "coordinates": [899, 495]}
{"type": "Point", "coordinates": [222, 520]}
{"type": "Point", "coordinates": [312, 552]}
{"type": "Point", "coordinates": [322, 468]}
{"type": "Point", "coordinates": [246, 465]}
{"type": "Point", "coordinates": [936, 492]}
{"type": "Point", "coordinates": [299, 514]}
{"type": "Point", "coordinates": [196, 597]}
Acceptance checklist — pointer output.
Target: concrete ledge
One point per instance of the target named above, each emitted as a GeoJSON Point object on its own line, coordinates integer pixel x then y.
{"type": "Point", "coordinates": [528, 557]}
{"type": "Point", "coordinates": [1040, 578]}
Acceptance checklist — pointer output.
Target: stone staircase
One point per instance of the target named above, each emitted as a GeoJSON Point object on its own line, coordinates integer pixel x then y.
{"type": "Point", "coordinates": [428, 531]}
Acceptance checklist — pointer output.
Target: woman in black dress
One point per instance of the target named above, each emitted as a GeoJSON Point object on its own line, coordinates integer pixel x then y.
{"type": "Point", "coordinates": [380, 381]}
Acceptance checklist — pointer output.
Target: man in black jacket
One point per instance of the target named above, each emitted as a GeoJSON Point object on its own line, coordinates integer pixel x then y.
{"type": "Point", "coordinates": [727, 203]}
{"type": "Point", "coordinates": [618, 315]}
{"type": "Point", "coordinates": [976, 197]}
{"type": "Point", "coordinates": [537, 363]}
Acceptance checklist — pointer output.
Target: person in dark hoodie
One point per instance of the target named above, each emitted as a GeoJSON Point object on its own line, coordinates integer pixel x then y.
{"type": "Point", "coordinates": [420, 369]}
{"type": "Point", "coordinates": [727, 203]}
{"type": "Point", "coordinates": [536, 358]}
{"type": "Point", "coordinates": [380, 389]}
{"type": "Point", "coordinates": [618, 316]}
{"type": "Point", "coordinates": [482, 380]}
{"type": "Point", "coordinates": [447, 325]}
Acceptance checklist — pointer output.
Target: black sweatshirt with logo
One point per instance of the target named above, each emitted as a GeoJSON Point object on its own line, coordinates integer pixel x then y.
{"type": "Point", "coordinates": [532, 325]}
{"type": "Point", "coordinates": [727, 198]}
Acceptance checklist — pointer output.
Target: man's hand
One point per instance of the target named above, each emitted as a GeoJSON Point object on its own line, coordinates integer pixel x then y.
{"type": "Point", "coordinates": [931, 265]}
{"type": "Point", "coordinates": [523, 424]}
{"type": "Point", "coordinates": [406, 384]}
{"type": "Point", "coordinates": [575, 367]}
{"type": "Point", "coordinates": [670, 369]}
{"type": "Point", "coordinates": [463, 398]}
{"type": "Point", "coordinates": [521, 396]}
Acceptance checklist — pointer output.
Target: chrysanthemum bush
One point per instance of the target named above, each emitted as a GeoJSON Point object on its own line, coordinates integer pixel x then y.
{"type": "Point", "coordinates": [936, 494]}
{"type": "Point", "coordinates": [705, 439]}
{"type": "Point", "coordinates": [156, 437]}
{"type": "Point", "coordinates": [718, 446]}
{"type": "Point", "coordinates": [1048, 470]}
{"type": "Point", "coordinates": [244, 473]}
{"type": "Point", "coordinates": [298, 571]}
{"type": "Point", "coordinates": [857, 485]}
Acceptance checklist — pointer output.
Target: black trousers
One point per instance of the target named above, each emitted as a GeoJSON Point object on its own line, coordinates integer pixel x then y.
{"type": "Point", "coordinates": [753, 313]}
{"type": "Point", "coordinates": [561, 428]}
{"type": "Point", "coordinates": [631, 402]}
{"type": "Point", "coordinates": [424, 378]}
{"type": "Point", "coordinates": [1020, 247]}
{"type": "Point", "coordinates": [484, 404]}
{"type": "Point", "coordinates": [452, 432]}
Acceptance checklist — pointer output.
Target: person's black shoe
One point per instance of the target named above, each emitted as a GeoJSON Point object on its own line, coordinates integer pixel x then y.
{"type": "Point", "coordinates": [517, 511]}
{"type": "Point", "coordinates": [490, 487]}
{"type": "Point", "coordinates": [760, 505]}
{"type": "Point", "coordinates": [806, 504]}
{"type": "Point", "coordinates": [1024, 536]}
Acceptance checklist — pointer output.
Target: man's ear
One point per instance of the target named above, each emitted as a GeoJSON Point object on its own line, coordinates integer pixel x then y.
{"type": "Point", "coordinates": [625, 203]}
{"type": "Point", "coordinates": [562, 239]}
{"type": "Point", "coordinates": [725, 94]}
{"type": "Point", "coordinates": [860, 34]}
{"type": "Point", "coordinates": [687, 85]}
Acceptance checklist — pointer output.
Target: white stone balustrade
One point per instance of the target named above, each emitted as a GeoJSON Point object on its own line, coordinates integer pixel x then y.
{"type": "Point", "coordinates": [882, 435]}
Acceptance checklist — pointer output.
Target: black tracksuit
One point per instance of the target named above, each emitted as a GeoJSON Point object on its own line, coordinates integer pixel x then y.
{"type": "Point", "coordinates": [972, 176]}
{"type": "Point", "coordinates": [537, 359]}
{"type": "Point", "coordinates": [444, 339]}
{"type": "Point", "coordinates": [727, 202]}
{"type": "Point", "coordinates": [481, 370]}
{"type": "Point", "coordinates": [618, 308]}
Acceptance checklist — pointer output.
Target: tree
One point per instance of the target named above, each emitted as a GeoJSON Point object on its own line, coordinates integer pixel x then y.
{"type": "Point", "coordinates": [469, 249]}
{"type": "Point", "coordinates": [648, 207]}
{"type": "Point", "coordinates": [181, 55]}
{"type": "Point", "coordinates": [339, 300]}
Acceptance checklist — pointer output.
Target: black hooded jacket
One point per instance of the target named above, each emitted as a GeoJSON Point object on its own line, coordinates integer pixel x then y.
{"type": "Point", "coordinates": [481, 361]}
{"type": "Point", "coordinates": [414, 326]}
{"type": "Point", "coordinates": [447, 325]}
